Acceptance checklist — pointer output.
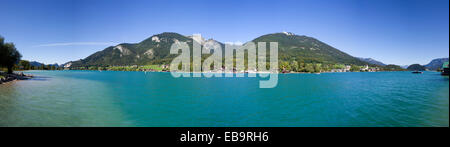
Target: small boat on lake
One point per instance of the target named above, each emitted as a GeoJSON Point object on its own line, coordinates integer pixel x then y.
{"type": "Point", "coordinates": [417, 72]}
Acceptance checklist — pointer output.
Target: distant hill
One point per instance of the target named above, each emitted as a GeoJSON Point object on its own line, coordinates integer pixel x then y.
{"type": "Point", "coordinates": [404, 66]}
{"type": "Point", "coordinates": [416, 67]}
{"type": "Point", "coordinates": [155, 50]}
{"type": "Point", "coordinates": [436, 63]}
{"type": "Point", "coordinates": [35, 63]}
{"type": "Point", "coordinates": [392, 67]}
{"type": "Point", "coordinates": [38, 64]}
{"type": "Point", "coordinates": [55, 65]}
{"type": "Point", "coordinates": [68, 64]}
{"type": "Point", "coordinates": [307, 49]}
{"type": "Point", "coordinates": [372, 61]}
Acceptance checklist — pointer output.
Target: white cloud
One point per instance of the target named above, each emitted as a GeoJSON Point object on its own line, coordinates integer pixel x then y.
{"type": "Point", "coordinates": [75, 44]}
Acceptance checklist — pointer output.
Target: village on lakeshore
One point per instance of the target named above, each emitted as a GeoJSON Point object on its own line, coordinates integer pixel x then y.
{"type": "Point", "coordinates": [289, 62]}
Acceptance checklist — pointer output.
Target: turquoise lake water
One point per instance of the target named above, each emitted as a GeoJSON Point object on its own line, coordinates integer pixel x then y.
{"type": "Point", "coordinates": [112, 98]}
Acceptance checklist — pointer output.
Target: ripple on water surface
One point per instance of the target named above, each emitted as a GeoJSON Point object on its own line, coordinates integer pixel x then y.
{"type": "Point", "coordinates": [91, 98]}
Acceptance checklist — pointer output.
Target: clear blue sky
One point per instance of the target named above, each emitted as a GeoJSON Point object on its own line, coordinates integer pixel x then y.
{"type": "Point", "coordinates": [393, 31]}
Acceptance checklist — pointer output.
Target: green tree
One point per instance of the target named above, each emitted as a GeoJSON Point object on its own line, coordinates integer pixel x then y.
{"type": "Point", "coordinates": [339, 66]}
{"type": "Point", "coordinates": [301, 67]}
{"type": "Point", "coordinates": [294, 66]}
{"type": "Point", "coordinates": [284, 65]}
{"type": "Point", "coordinates": [355, 68]}
{"type": "Point", "coordinates": [25, 64]}
{"type": "Point", "coordinates": [325, 67]}
{"type": "Point", "coordinates": [317, 67]}
{"type": "Point", "coordinates": [9, 56]}
{"type": "Point", "coordinates": [309, 67]}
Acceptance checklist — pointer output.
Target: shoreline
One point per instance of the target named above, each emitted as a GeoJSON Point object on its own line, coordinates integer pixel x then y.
{"type": "Point", "coordinates": [6, 78]}
{"type": "Point", "coordinates": [229, 72]}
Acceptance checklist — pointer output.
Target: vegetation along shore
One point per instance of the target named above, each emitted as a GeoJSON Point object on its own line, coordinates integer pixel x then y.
{"type": "Point", "coordinates": [297, 54]}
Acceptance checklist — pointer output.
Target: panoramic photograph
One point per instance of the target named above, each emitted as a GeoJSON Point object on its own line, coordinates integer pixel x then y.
{"type": "Point", "coordinates": [224, 63]}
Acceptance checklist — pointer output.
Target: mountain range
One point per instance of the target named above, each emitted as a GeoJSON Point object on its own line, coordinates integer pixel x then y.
{"type": "Point", "coordinates": [433, 65]}
{"type": "Point", "coordinates": [38, 64]}
{"type": "Point", "coordinates": [372, 61]}
{"type": "Point", "coordinates": [436, 63]}
{"type": "Point", "coordinates": [35, 63]}
{"type": "Point", "coordinates": [155, 50]}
